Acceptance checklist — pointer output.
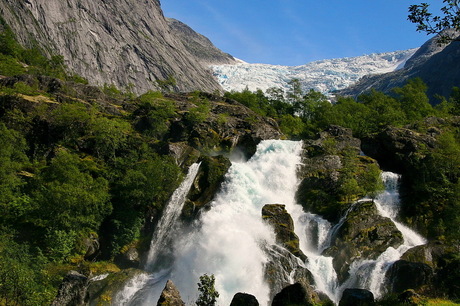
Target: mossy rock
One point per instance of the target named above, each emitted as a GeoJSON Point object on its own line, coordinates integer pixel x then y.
{"type": "Point", "coordinates": [103, 292]}
{"type": "Point", "coordinates": [363, 235]}
{"type": "Point", "coordinates": [277, 216]}
{"type": "Point", "coordinates": [207, 182]}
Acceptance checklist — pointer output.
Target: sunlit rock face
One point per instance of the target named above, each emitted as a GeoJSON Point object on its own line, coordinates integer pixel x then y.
{"type": "Point", "coordinates": [124, 43]}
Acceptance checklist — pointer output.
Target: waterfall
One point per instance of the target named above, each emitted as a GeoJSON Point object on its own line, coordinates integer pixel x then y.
{"type": "Point", "coordinates": [166, 226]}
{"type": "Point", "coordinates": [230, 239]}
{"type": "Point", "coordinates": [388, 205]}
{"type": "Point", "coordinates": [160, 244]}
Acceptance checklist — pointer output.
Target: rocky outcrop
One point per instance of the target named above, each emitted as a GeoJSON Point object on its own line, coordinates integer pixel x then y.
{"type": "Point", "coordinates": [104, 291]}
{"type": "Point", "coordinates": [227, 125]}
{"type": "Point", "coordinates": [364, 234]}
{"type": "Point", "coordinates": [72, 291]}
{"type": "Point", "coordinates": [113, 42]}
{"type": "Point", "coordinates": [244, 299]}
{"type": "Point", "coordinates": [277, 216]}
{"type": "Point", "coordinates": [437, 65]}
{"type": "Point", "coordinates": [356, 297]}
{"type": "Point", "coordinates": [206, 184]}
{"type": "Point", "coordinates": [198, 45]}
{"type": "Point", "coordinates": [128, 259]}
{"type": "Point", "coordinates": [286, 260]}
{"type": "Point", "coordinates": [394, 146]}
{"type": "Point", "coordinates": [170, 296]}
{"type": "Point", "coordinates": [403, 275]}
{"type": "Point", "coordinates": [329, 163]}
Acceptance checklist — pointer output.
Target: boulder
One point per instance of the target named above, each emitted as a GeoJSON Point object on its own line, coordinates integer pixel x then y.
{"type": "Point", "coordinates": [403, 275]}
{"type": "Point", "coordinates": [244, 299]}
{"type": "Point", "coordinates": [73, 290]}
{"type": "Point", "coordinates": [356, 297]}
{"type": "Point", "coordinates": [364, 234]}
{"type": "Point", "coordinates": [277, 216]}
{"type": "Point", "coordinates": [295, 294]}
{"type": "Point", "coordinates": [170, 296]}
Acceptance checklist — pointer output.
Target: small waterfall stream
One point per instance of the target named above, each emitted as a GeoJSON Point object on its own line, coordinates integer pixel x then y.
{"type": "Point", "coordinates": [159, 246]}
{"type": "Point", "coordinates": [230, 239]}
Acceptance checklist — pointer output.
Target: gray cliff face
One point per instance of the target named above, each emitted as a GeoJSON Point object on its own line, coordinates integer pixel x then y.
{"type": "Point", "coordinates": [116, 42]}
{"type": "Point", "coordinates": [437, 65]}
{"type": "Point", "coordinates": [198, 45]}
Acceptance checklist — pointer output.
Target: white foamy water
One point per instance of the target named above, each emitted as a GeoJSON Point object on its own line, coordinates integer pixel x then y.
{"type": "Point", "coordinates": [230, 240]}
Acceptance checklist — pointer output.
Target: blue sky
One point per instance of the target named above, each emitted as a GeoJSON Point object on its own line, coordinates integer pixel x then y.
{"type": "Point", "coordinates": [295, 32]}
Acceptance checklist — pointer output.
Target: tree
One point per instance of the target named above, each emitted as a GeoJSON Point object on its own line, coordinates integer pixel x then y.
{"type": "Point", "coordinates": [426, 22]}
{"type": "Point", "coordinates": [208, 294]}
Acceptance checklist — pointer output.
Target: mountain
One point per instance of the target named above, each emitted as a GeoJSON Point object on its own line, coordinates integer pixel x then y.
{"type": "Point", "coordinates": [114, 42]}
{"type": "Point", "coordinates": [198, 45]}
{"type": "Point", "coordinates": [324, 75]}
{"type": "Point", "coordinates": [437, 65]}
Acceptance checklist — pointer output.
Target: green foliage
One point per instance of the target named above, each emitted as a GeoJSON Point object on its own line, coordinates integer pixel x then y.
{"type": "Point", "coordinates": [22, 281]}
{"type": "Point", "coordinates": [153, 114]}
{"type": "Point", "coordinates": [208, 294]}
{"type": "Point", "coordinates": [200, 113]}
{"type": "Point", "coordinates": [167, 84]}
{"type": "Point", "coordinates": [12, 160]}
{"type": "Point", "coordinates": [426, 22]}
{"type": "Point", "coordinates": [109, 135]}
{"type": "Point", "coordinates": [414, 101]}
{"type": "Point", "coordinates": [68, 196]}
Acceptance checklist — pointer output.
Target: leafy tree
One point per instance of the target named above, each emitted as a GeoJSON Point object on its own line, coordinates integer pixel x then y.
{"type": "Point", "coordinates": [109, 135]}
{"type": "Point", "coordinates": [295, 93]}
{"type": "Point", "coordinates": [68, 196]}
{"type": "Point", "coordinates": [208, 294]}
{"type": "Point", "coordinates": [12, 160]}
{"type": "Point", "coordinates": [413, 99]}
{"type": "Point", "coordinates": [426, 22]}
{"type": "Point", "coordinates": [153, 114]}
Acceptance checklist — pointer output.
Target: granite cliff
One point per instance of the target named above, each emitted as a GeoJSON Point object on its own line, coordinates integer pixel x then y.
{"type": "Point", "coordinates": [112, 42]}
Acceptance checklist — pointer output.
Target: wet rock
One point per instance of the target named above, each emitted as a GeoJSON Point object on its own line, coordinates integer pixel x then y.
{"type": "Point", "coordinates": [183, 154]}
{"type": "Point", "coordinates": [104, 291]}
{"type": "Point", "coordinates": [277, 216]}
{"type": "Point", "coordinates": [206, 184]}
{"type": "Point", "coordinates": [403, 275]}
{"type": "Point", "coordinates": [170, 296]}
{"type": "Point", "coordinates": [244, 299]}
{"type": "Point", "coordinates": [128, 259]}
{"type": "Point", "coordinates": [363, 235]}
{"type": "Point", "coordinates": [356, 297]}
{"type": "Point", "coordinates": [73, 290]}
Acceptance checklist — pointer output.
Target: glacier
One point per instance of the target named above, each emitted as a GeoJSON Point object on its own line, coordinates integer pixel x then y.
{"type": "Point", "coordinates": [324, 76]}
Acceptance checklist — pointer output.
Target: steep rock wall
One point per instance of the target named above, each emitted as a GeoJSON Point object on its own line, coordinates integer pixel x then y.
{"type": "Point", "coordinates": [116, 42]}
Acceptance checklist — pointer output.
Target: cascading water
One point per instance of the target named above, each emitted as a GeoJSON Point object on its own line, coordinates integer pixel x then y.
{"type": "Point", "coordinates": [166, 226]}
{"type": "Point", "coordinates": [160, 241]}
{"type": "Point", "coordinates": [388, 205]}
{"type": "Point", "coordinates": [231, 240]}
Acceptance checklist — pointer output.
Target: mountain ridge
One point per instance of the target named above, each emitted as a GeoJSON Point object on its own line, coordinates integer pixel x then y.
{"type": "Point", "coordinates": [114, 42]}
